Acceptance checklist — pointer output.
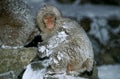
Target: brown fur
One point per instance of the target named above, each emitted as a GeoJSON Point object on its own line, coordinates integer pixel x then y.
{"type": "Point", "coordinates": [75, 51]}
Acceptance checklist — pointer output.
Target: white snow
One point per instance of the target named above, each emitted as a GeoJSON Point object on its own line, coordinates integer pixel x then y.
{"type": "Point", "coordinates": [55, 61]}
{"type": "Point", "coordinates": [67, 26]}
{"type": "Point", "coordinates": [109, 72]}
{"type": "Point", "coordinates": [64, 76]}
{"type": "Point", "coordinates": [104, 72]}
{"type": "Point", "coordinates": [30, 74]}
{"type": "Point", "coordinates": [57, 39]}
{"type": "Point", "coordinates": [59, 56]}
{"type": "Point", "coordinates": [10, 73]}
{"type": "Point", "coordinates": [52, 43]}
{"type": "Point", "coordinates": [62, 36]}
{"type": "Point", "coordinates": [40, 74]}
{"type": "Point", "coordinates": [11, 47]}
{"type": "Point", "coordinates": [42, 49]}
{"type": "Point", "coordinates": [45, 63]}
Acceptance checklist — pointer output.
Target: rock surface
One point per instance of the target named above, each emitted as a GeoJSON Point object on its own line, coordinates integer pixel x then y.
{"type": "Point", "coordinates": [17, 27]}
{"type": "Point", "coordinates": [14, 60]}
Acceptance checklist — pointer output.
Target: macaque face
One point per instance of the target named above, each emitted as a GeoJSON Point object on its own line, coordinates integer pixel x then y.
{"type": "Point", "coordinates": [49, 21]}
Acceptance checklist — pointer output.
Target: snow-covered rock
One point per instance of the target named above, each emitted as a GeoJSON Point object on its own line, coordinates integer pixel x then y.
{"type": "Point", "coordinates": [109, 72]}
{"type": "Point", "coordinates": [34, 74]}
{"type": "Point", "coordinates": [40, 73]}
{"type": "Point", "coordinates": [104, 72]}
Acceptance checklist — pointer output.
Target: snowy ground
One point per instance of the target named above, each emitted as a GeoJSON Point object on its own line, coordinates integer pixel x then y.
{"type": "Point", "coordinates": [104, 72]}
{"type": "Point", "coordinates": [109, 72]}
{"type": "Point", "coordinates": [40, 74]}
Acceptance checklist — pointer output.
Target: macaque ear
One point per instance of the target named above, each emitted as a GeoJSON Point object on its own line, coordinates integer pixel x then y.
{"type": "Point", "coordinates": [49, 21]}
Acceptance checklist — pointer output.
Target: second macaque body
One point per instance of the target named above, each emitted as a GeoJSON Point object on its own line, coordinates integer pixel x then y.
{"type": "Point", "coordinates": [64, 42]}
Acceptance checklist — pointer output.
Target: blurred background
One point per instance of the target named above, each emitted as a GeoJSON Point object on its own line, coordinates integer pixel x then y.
{"type": "Point", "coordinates": [101, 20]}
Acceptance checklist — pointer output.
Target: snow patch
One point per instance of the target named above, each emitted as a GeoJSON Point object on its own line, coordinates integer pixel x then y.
{"type": "Point", "coordinates": [62, 36]}
{"type": "Point", "coordinates": [57, 39]}
{"type": "Point", "coordinates": [10, 73]}
{"type": "Point", "coordinates": [104, 72]}
{"type": "Point", "coordinates": [52, 43]}
{"type": "Point", "coordinates": [42, 49]}
{"type": "Point", "coordinates": [55, 61]}
{"type": "Point", "coordinates": [66, 26]}
{"type": "Point", "coordinates": [45, 51]}
{"type": "Point", "coordinates": [11, 47]}
{"type": "Point", "coordinates": [30, 74]}
{"type": "Point", "coordinates": [64, 76]}
{"type": "Point", "coordinates": [59, 56]}
{"type": "Point", "coordinates": [109, 72]}
{"type": "Point", "coordinates": [41, 74]}
{"type": "Point", "coordinates": [45, 63]}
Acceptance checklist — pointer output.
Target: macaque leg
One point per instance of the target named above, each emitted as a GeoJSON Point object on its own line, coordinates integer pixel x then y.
{"type": "Point", "coordinates": [69, 68]}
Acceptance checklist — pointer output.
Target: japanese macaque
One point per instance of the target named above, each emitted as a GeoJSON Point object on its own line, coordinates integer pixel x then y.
{"type": "Point", "coordinates": [64, 42]}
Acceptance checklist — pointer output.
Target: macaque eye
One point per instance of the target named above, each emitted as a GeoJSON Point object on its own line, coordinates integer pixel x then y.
{"type": "Point", "coordinates": [49, 18]}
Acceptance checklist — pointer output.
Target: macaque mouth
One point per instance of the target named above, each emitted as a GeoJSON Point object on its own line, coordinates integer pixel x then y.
{"type": "Point", "coordinates": [49, 21]}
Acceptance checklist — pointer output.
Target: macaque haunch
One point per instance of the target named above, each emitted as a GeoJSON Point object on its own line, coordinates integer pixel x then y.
{"type": "Point", "coordinates": [64, 42]}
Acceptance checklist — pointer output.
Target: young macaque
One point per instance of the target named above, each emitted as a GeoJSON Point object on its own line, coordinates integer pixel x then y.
{"type": "Point", "coordinates": [64, 42]}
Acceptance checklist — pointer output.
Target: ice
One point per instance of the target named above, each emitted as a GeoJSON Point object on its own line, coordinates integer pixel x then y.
{"type": "Point", "coordinates": [109, 72]}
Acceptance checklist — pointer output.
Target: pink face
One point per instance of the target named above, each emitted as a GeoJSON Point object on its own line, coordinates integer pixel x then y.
{"type": "Point", "coordinates": [49, 21]}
